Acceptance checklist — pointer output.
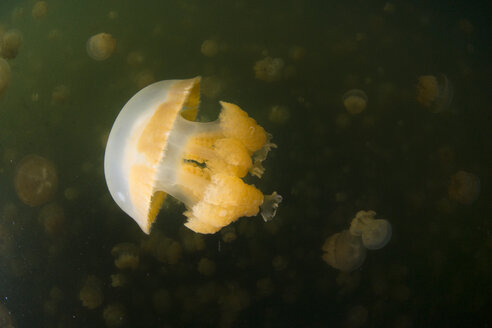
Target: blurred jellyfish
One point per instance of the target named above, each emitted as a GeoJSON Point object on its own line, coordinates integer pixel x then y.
{"type": "Point", "coordinates": [39, 9]}
{"type": "Point", "coordinates": [91, 294]}
{"type": "Point", "coordinates": [209, 48]}
{"type": "Point", "coordinates": [357, 316]}
{"type": "Point", "coordinates": [10, 44]}
{"type": "Point", "coordinates": [52, 217]}
{"type": "Point", "coordinates": [6, 320]}
{"type": "Point", "coordinates": [144, 78]}
{"type": "Point", "coordinates": [36, 181]}
{"type": "Point", "coordinates": [4, 75]}
{"type": "Point", "coordinates": [464, 187]}
{"type": "Point", "coordinates": [269, 69]}
{"type": "Point", "coordinates": [101, 46]}
{"type": "Point", "coordinates": [375, 233]}
{"type": "Point", "coordinates": [60, 95]}
{"type": "Point", "coordinates": [135, 58]}
{"type": "Point", "coordinates": [297, 53]}
{"type": "Point", "coordinates": [206, 266]}
{"type": "Point", "coordinates": [278, 114]}
{"type": "Point", "coordinates": [355, 101]}
{"type": "Point", "coordinates": [344, 251]}
{"type": "Point", "coordinates": [434, 92]}
{"type": "Point", "coordinates": [126, 256]}
{"type": "Point", "coordinates": [114, 315]}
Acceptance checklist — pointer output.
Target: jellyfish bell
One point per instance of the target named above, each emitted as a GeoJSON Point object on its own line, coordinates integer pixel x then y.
{"type": "Point", "coordinates": [464, 187]}
{"type": "Point", "coordinates": [355, 101]}
{"type": "Point", "coordinates": [375, 233]}
{"type": "Point", "coordinates": [11, 43]}
{"type": "Point", "coordinates": [344, 251]}
{"type": "Point", "coordinates": [36, 180]}
{"type": "Point", "coordinates": [155, 148]}
{"type": "Point", "coordinates": [101, 46]}
{"type": "Point", "coordinates": [4, 75]}
{"type": "Point", "coordinates": [39, 9]}
{"type": "Point", "coordinates": [434, 92]}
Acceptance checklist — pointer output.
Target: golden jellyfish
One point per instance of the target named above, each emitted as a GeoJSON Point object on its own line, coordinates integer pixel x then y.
{"type": "Point", "coordinates": [91, 294]}
{"type": "Point", "coordinates": [269, 69]}
{"type": "Point", "coordinates": [344, 251]}
{"type": "Point", "coordinates": [4, 75]}
{"type": "Point", "coordinates": [39, 9]}
{"type": "Point", "coordinates": [126, 256]}
{"type": "Point", "coordinates": [209, 48]}
{"type": "Point", "coordinates": [355, 101]}
{"type": "Point", "coordinates": [464, 187]}
{"type": "Point", "coordinates": [114, 315]}
{"type": "Point", "coordinates": [10, 44]}
{"type": "Point", "coordinates": [60, 95]}
{"type": "Point", "coordinates": [155, 148]}
{"type": "Point", "coordinates": [434, 92]}
{"type": "Point", "coordinates": [36, 180]}
{"type": "Point", "coordinates": [101, 46]}
{"type": "Point", "coordinates": [375, 233]}
{"type": "Point", "coordinates": [52, 217]}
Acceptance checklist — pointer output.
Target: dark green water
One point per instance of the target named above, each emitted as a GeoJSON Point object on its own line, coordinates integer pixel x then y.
{"type": "Point", "coordinates": [396, 158]}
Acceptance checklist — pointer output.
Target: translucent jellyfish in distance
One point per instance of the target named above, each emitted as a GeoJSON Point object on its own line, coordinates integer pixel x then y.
{"type": "Point", "coordinates": [101, 46]}
{"type": "Point", "coordinates": [464, 187]}
{"type": "Point", "coordinates": [434, 92]}
{"type": "Point", "coordinates": [375, 233]}
{"type": "Point", "coordinates": [155, 148]}
{"type": "Point", "coordinates": [4, 75]}
{"type": "Point", "coordinates": [10, 44]}
{"type": "Point", "coordinates": [355, 101]}
{"type": "Point", "coordinates": [39, 9]}
{"type": "Point", "coordinates": [36, 181]}
{"type": "Point", "coordinates": [344, 251]}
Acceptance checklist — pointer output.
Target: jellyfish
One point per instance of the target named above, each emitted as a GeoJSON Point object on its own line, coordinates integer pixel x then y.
{"type": "Point", "coordinates": [464, 187]}
{"type": "Point", "coordinates": [375, 233]}
{"type": "Point", "coordinates": [11, 43]}
{"type": "Point", "coordinates": [355, 101]}
{"type": "Point", "coordinates": [36, 181]}
{"type": "Point", "coordinates": [126, 256]}
{"type": "Point", "coordinates": [52, 217]}
{"type": "Point", "coordinates": [344, 251]}
{"type": "Point", "coordinates": [4, 75]}
{"type": "Point", "coordinates": [114, 315]}
{"type": "Point", "coordinates": [209, 48]}
{"type": "Point", "coordinates": [60, 95]}
{"type": "Point", "coordinates": [155, 148]}
{"type": "Point", "coordinates": [91, 294]}
{"type": "Point", "coordinates": [101, 46]}
{"type": "Point", "coordinates": [39, 9]}
{"type": "Point", "coordinates": [269, 69]}
{"type": "Point", "coordinates": [434, 92]}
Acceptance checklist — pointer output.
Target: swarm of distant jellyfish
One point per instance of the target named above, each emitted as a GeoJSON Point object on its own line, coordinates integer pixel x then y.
{"type": "Point", "coordinates": [434, 92]}
{"type": "Point", "coordinates": [347, 250]}
{"type": "Point", "coordinates": [155, 148]}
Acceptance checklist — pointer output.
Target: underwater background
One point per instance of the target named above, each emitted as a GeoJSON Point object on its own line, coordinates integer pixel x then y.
{"type": "Point", "coordinates": [77, 260]}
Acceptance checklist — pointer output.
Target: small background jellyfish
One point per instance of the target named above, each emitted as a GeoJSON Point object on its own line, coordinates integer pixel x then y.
{"type": "Point", "coordinates": [435, 92]}
{"type": "Point", "coordinates": [346, 250]}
